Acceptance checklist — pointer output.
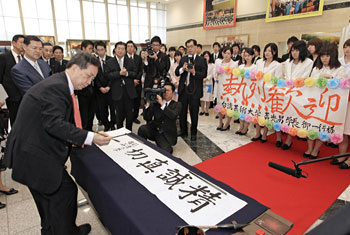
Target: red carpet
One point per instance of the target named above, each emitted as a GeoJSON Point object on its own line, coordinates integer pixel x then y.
{"type": "Point", "coordinates": [301, 201]}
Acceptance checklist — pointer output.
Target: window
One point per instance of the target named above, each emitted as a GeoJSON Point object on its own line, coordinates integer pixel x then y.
{"type": "Point", "coordinates": [158, 21]}
{"type": "Point", "coordinates": [10, 21]}
{"type": "Point", "coordinates": [118, 21]}
{"type": "Point", "coordinates": [68, 20]}
{"type": "Point", "coordinates": [95, 19]}
{"type": "Point", "coordinates": [139, 21]}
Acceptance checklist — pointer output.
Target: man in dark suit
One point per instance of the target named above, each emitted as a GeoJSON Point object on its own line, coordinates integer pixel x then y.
{"type": "Point", "coordinates": [131, 53]}
{"type": "Point", "coordinates": [290, 42]}
{"type": "Point", "coordinates": [157, 64]}
{"type": "Point", "coordinates": [161, 120]}
{"type": "Point", "coordinates": [103, 89]}
{"type": "Point", "coordinates": [192, 69]}
{"type": "Point", "coordinates": [7, 61]}
{"type": "Point", "coordinates": [87, 96]}
{"type": "Point", "coordinates": [121, 71]}
{"type": "Point", "coordinates": [58, 64]}
{"type": "Point", "coordinates": [216, 51]}
{"type": "Point", "coordinates": [236, 49]}
{"type": "Point", "coordinates": [47, 53]}
{"type": "Point", "coordinates": [39, 144]}
{"type": "Point", "coordinates": [30, 70]}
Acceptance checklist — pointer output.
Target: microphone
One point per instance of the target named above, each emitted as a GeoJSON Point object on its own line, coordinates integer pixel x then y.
{"type": "Point", "coordinates": [287, 170]}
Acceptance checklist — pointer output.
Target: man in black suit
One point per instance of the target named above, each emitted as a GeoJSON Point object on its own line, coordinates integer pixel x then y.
{"type": "Point", "coordinates": [236, 48]}
{"type": "Point", "coordinates": [161, 119]}
{"type": "Point", "coordinates": [47, 53]}
{"type": "Point", "coordinates": [157, 64]}
{"type": "Point", "coordinates": [192, 69]}
{"type": "Point", "coordinates": [131, 50]}
{"type": "Point", "coordinates": [290, 42]}
{"type": "Point", "coordinates": [30, 70]}
{"type": "Point", "coordinates": [87, 96]}
{"type": "Point", "coordinates": [7, 61]}
{"type": "Point", "coordinates": [103, 89]}
{"type": "Point", "coordinates": [58, 64]}
{"type": "Point", "coordinates": [39, 144]}
{"type": "Point", "coordinates": [121, 71]}
{"type": "Point", "coordinates": [216, 51]}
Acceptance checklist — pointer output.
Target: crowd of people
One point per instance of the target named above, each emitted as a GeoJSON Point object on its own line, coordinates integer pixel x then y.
{"type": "Point", "coordinates": [180, 80]}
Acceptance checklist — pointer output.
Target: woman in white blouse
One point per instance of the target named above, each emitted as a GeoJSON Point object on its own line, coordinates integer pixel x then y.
{"type": "Point", "coordinates": [248, 59]}
{"type": "Point", "coordinates": [328, 66]}
{"type": "Point", "coordinates": [207, 84]}
{"type": "Point", "coordinates": [226, 61]}
{"type": "Point", "coordinates": [297, 66]}
{"type": "Point", "coordinates": [173, 78]}
{"type": "Point", "coordinates": [268, 64]}
{"type": "Point", "coordinates": [343, 146]}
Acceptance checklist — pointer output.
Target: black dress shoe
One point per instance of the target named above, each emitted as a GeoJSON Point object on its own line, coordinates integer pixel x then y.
{"type": "Point", "coordinates": [236, 121]}
{"type": "Point", "coordinates": [2, 205]}
{"type": "Point", "coordinates": [201, 113]}
{"type": "Point", "coordinates": [255, 139]}
{"type": "Point", "coordinates": [306, 155]}
{"type": "Point", "coordinates": [193, 137]}
{"type": "Point", "coordinates": [344, 166]}
{"type": "Point", "coordinates": [336, 162]}
{"type": "Point", "coordinates": [84, 229]}
{"type": "Point", "coordinates": [10, 192]}
{"type": "Point", "coordinates": [314, 157]}
{"type": "Point", "coordinates": [225, 129]}
{"type": "Point", "coordinates": [137, 121]}
{"type": "Point", "coordinates": [237, 132]}
{"type": "Point", "coordinates": [207, 114]}
{"type": "Point", "coordinates": [183, 134]}
{"type": "Point", "coordinates": [286, 146]}
{"type": "Point", "coordinates": [243, 133]}
{"type": "Point", "coordinates": [217, 116]}
{"type": "Point", "coordinates": [279, 143]}
{"type": "Point", "coordinates": [262, 140]}
{"type": "Point", "coordinates": [219, 128]}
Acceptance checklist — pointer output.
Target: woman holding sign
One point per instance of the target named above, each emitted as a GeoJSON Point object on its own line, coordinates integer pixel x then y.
{"type": "Point", "coordinates": [228, 62]}
{"type": "Point", "coordinates": [207, 84]}
{"type": "Point", "coordinates": [268, 65]}
{"type": "Point", "coordinates": [328, 66]}
{"type": "Point", "coordinates": [297, 66]}
{"type": "Point", "coordinates": [248, 59]}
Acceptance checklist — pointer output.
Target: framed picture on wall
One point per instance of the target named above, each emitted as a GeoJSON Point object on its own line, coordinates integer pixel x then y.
{"type": "Point", "coordinates": [219, 14]}
{"type": "Point", "coordinates": [277, 10]}
{"type": "Point", "coordinates": [332, 38]}
{"type": "Point", "coordinates": [241, 39]}
{"type": "Point", "coordinates": [50, 39]}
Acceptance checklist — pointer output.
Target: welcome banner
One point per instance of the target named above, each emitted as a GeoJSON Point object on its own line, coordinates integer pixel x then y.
{"type": "Point", "coordinates": [313, 108]}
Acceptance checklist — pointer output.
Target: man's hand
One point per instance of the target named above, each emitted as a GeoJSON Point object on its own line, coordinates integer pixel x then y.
{"type": "Point", "coordinates": [104, 90]}
{"type": "Point", "coordinates": [185, 66]}
{"type": "Point", "coordinates": [101, 138]}
{"type": "Point", "coordinates": [2, 103]}
{"type": "Point", "coordinates": [160, 100]}
{"type": "Point", "coordinates": [154, 56]}
{"type": "Point", "coordinates": [136, 82]}
{"type": "Point", "coordinates": [191, 70]}
{"type": "Point", "coordinates": [123, 72]}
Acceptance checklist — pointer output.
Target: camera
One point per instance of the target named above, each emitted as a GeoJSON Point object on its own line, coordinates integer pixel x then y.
{"type": "Point", "coordinates": [149, 47]}
{"type": "Point", "coordinates": [190, 62]}
{"type": "Point", "coordinates": [158, 89]}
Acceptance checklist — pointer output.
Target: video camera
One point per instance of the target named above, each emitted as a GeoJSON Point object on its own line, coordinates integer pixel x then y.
{"type": "Point", "coordinates": [158, 89]}
{"type": "Point", "coordinates": [149, 47]}
{"type": "Point", "coordinates": [190, 62]}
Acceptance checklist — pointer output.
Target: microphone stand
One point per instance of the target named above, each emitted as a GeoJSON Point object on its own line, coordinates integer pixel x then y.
{"type": "Point", "coordinates": [299, 171]}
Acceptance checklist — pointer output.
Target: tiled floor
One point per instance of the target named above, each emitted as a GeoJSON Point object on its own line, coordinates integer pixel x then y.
{"type": "Point", "coordinates": [21, 216]}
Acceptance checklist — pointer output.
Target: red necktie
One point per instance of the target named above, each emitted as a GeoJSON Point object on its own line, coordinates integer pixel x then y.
{"type": "Point", "coordinates": [77, 117]}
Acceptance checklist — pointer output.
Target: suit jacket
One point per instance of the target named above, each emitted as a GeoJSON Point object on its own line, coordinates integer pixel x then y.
{"type": "Point", "coordinates": [195, 88]}
{"type": "Point", "coordinates": [101, 80]}
{"type": "Point", "coordinates": [164, 120]}
{"type": "Point", "coordinates": [139, 70]}
{"type": "Point", "coordinates": [238, 58]}
{"type": "Point", "coordinates": [7, 61]}
{"type": "Point", "coordinates": [112, 72]}
{"type": "Point", "coordinates": [25, 75]}
{"type": "Point", "coordinates": [156, 68]}
{"type": "Point", "coordinates": [56, 67]}
{"type": "Point", "coordinates": [39, 143]}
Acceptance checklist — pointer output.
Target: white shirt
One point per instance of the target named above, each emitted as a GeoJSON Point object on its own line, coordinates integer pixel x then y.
{"type": "Point", "coordinates": [15, 55]}
{"type": "Point", "coordinates": [274, 68]}
{"type": "Point", "coordinates": [130, 56]}
{"type": "Point", "coordinates": [102, 61]}
{"type": "Point", "coordinates": [335, 73]}
{"type": "Point", "coordinates": [90, 135]}
{"type": "Point", "coordinates": [120, 61]}
{"type": "Point", "coordinates": [299, 70]}
{"type": "Point", "coordinates": [35, 65]}
{"type": "Point", "coordinates": [46, 61]}
{"type": "Point", "coordinates": [165, 103]}
{"type": "Point", "coordinates": [346, 66]}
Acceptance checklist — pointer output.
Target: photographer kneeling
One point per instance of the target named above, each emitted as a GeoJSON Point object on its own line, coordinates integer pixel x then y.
{"type": "Point", "coordinates": [161, 118]}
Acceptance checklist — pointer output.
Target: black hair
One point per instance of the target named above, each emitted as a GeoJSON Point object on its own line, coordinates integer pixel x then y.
{"type": "Point", "coordinates": [299, 45]}
{"type": "Point", "coordinates": [156, 39]}
{"type": "Point", "coordinates": [236, 45]}
{"type": "Point", "coordinates": [120, 43]}
{"type": "Point", "coordinates": [211, 59]}
{"type": "Point", "coordinates": [86, 43]}
{"type": "Point", "coordinates": [227, 48]}
{"type": "Point", "coordinates": [170, 84]}
{"type": "Point", "coordinates": [83, 59]}
{"type": "Point", "coordinates": [191, 40]}
{"type": "Point", "coordinates": [178, 53]}
{"type": "Point", "coordinates": [274, 50]}
{"type": "Point", "coordinates": [47, 44]}
{"type": "Point", "coordinates": [57, 47]}
{"type": "Point", "coordinates": [163, 45]}
{"type": "Point", "coordinates": [100, 43]}
{"type": "Point", "coordinates": [134, 45]}
{"type": "Point", "coordinates": [217, 44]}
{"type": "Point", "coordinates": [256, 47]}
{"type": "Point", "coordinates": [250, 52]}
{"type": "Point", "coordinates": [292, 39]}
{"type": "Point", "coordinates": [200, 45]}
{"type": "Point", "coordinates": [29, 38]}
{"type": "Point", "coordinates": [331, 50]}
{"type": "Point", "coordinates": [16, 37]}
{"type": "Point", "coordinates": [172, 49]}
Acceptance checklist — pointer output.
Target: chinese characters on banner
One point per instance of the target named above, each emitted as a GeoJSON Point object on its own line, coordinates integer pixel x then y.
{"type": "Point", "coordinates": [304, 108]}
{"type": "Point", "coordinates": [191, 197]}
